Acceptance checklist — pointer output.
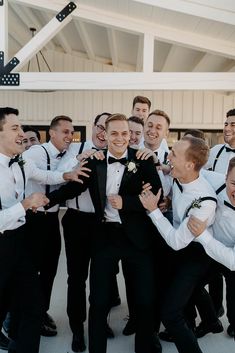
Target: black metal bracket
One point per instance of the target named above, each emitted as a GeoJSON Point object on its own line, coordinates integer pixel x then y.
{"type": "Point", "coordinates": [1, 2]}
{"type": "Point", "coordinates": [66, 11]}
{"type": "Point", "coordinates": [6, 78]}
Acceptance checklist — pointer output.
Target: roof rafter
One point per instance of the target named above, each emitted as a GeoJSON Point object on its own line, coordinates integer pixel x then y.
{"type": "Point", "coordinates": [113, 46]}
{"type": "Point", "coordinates": [160, 32]}
{"type": "Point", "coordinates": [4, 30]}
{"type": "Point", "coordinates": [86, 41]}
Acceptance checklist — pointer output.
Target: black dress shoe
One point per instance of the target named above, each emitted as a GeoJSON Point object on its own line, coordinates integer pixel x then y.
{"type": "Point", "coordinates": [49, 321]}
{"type": "Point", "coordinates": [4, 342]}
{"type": "Point", "coordinates": [157, 347]}
{"type": "Point", "coordinates": [109, 332]}
{"type": "Point", "coordinates": [230, 331]}
{"type": "Point", "coordinates": [129, 329]}
{"type": "Point", "coordinates": [48, 331]}
{"type": "Point", "coordinates": [165, 336]}
{"type": "Point", "coordinates": [78, 342]}
{"type": "Point", "coordinates": [203, 329]}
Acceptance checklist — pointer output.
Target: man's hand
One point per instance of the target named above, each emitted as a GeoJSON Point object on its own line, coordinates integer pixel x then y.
{"type": "Point", "coordinates": [196, 226]}
{"type": "Point", "coordinates": [165, 204]}
{"type": "Point", "coordinates": [98, 155]}
{"type": "Point", "coordinates": [146, 153]}
{"type": "Point", "coordinates": [79, 171]}
{"type": "Point", "coordinates": [35, 200]}
{"type": "Point", "coordinates": [149, 200]}
{"type": "Point", "coordinates": [115, 201]}
{"type": "Point", "coordinates": [165, 168]}
{"type": "Point", "coordinates": [86, 154]}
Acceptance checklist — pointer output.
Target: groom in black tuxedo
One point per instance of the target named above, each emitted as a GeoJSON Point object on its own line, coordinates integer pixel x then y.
{"type": "Point", "coordinates": [124, 232]}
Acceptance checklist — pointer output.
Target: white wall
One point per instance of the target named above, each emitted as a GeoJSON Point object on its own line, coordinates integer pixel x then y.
{"type": "Point", "coordinates": [187, 109]}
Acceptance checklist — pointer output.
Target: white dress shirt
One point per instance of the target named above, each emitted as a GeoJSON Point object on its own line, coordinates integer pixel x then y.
{"type": "Point", "coordinates": [223, 160]}
{"type": "Point", "coordinates": [114, 177]}
{"type": "Point", "coordinates": [39, 156]}
{"type": "Point", "coordinates": [178, 236]}
{"type": "Point", "coordinates": [221, 245]}
{"type": "Point", "coordinates": [12, 189]}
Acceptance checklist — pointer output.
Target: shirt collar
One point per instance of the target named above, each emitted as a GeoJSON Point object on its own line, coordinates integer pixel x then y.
{"type": "Point", "coordinates": [52, 149]}
{"type": "Point", "coordinates": [111, 155]}
{"type": "Point", "coordinates": [4, 160]}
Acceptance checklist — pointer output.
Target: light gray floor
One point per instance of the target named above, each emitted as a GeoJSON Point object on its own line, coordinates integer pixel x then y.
{"type": "Point", "coordinates": [216, 343]}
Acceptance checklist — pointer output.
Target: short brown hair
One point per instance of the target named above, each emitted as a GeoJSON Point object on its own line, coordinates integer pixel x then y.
{"type": "Point", "coordinates": [197, 152]}
{"type": "Point", "coordinates": [115, 117]}
{"type": "Point", "coordinates": [136, 119]}
{"type": "Point", "coordinates": [161, 113]}
{"type": "Point", "coordinates": [231, 165]}
{"type": "Point", "coordinates": [55, 122]}
{"type": "Point", "coordinates": [142, 100]}
{"type": "Point", "coordinates": [196, 133]}
{"type": "Point", "coordinates": [231, 112]}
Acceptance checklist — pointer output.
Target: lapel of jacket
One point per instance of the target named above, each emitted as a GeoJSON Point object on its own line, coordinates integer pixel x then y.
{"type": "Point", "coordinates": [127, 175]}
{"type": "Point", "coordinates": [101, 180]}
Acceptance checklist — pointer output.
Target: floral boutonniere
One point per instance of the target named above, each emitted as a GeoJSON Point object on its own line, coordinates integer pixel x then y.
{"type": "Point", "coordinates": [21, 161]}
{"type": "Point", "coordinates": [196, 203]}
{"type": "Point", "coordinates": [132, 166]}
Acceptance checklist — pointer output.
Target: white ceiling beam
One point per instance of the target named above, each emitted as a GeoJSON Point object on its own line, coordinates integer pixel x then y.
{"type": "Point", "coordinates": [205, 9]}
{"type": "Point", "coordinates": [30, 20]}
{"type": "Point", "coordinates": [60, 36]}
{"type": "Point", "coordinates": [4, 30]}
{"type": "Point", "coordinates": [129, 24]}
{"type": "Point", "coordinates": [86, 41]}
{"type": "Point", "coordinates": [197, 63]}
{"type": "Point", "coordinates": [113, 46]}
{"type": "Point", "coordinates": [124, 81]}
{"type": "Point", "coordinates": [39, 40]}
{"type": "Point", "coordinates": [148, 53]}
{"type": "Point", "coordinates": [139, 61]}
{"type": "Point", "coordinates": [229, 67]}
{"type": "Point", "coordinates": [168, 60]}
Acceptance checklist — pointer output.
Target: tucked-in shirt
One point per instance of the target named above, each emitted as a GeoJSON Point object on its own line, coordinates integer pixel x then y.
{"type": "Point", "coordinates": [178, 236]}
{"type": "Point", "coordinates": [12, 189]}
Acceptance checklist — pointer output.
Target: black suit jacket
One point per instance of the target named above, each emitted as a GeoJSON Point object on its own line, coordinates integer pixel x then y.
{"type": "Point", "coordinates": [137, 224]}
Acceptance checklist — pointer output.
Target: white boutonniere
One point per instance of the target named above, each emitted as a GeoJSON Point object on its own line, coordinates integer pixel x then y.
{"type": "Point", "coordinates": [132, 166]}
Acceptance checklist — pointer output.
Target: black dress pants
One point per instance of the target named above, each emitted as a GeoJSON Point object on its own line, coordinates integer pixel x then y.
{"type": "Point", "coordinates": [44, 240]}
{"type": "Point", "coordinates": [192, 269]}
{"type": "Point", "coordinates": [19, 279]}
{"type": "Point", "coordinates": [78, 247]}
{"type": "Point", "coordinates": [114, 245]}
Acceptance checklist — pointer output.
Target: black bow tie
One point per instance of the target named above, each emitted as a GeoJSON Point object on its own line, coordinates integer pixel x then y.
{"type": "Point", "coordinates": [228, 149]}
{"type": "Point", "coordinates": [229, 205]}
{"type": "Point", "coordinates": [61, 154]}
{"type": "Point", "coordinates": [114, 160]}
{"type": "Point", "coordinates": [14, 160]}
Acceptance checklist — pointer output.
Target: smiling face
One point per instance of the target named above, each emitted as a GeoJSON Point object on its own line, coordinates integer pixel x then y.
{"type": "Point", "coordinates": [155, 129]}
{"type": "Point", "coordinates": [11, 136]}
{"type": "Point", "coordinates": [62, 135]}
{"type": "Point", "coordinates": [98, 133]}
{"type": "Point", "coordinates": [229, 131]}
{"type": "Point", "coordinates": [136, 131]}
{"type": "Point", "coordinates": [118, 136]}
{"type": "Point", "coordinates": [230, 186]}
{"type": "Point", "coordinates": [30, 139]}
{"type": "Point", "coordinates": [141, 110]}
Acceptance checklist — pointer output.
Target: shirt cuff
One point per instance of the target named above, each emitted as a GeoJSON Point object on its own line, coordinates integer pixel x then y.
{"type": "Point", "coordinates": [204, 238]}
{"type": "Point", "coordinates": [156, 214]}
{"type": "Point", "coordinates": [18, 210]}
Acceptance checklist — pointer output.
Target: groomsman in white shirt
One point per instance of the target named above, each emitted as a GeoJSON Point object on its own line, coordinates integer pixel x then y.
{"type": "Point", "coordinates": [46, 240]}
{"type": "Point", "coordinates": [192, 194]}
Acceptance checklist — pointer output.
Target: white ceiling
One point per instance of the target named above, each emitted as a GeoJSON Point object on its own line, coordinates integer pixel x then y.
{"type": "Point", "coordinates": [190, 36]}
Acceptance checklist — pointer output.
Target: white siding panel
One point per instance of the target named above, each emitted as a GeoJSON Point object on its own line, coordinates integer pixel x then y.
{"type": "Point", "coordinates": [187, 109]}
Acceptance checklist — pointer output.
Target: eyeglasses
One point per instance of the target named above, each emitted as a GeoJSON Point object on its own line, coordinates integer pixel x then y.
{"type": "Point", "coordinates": [100, 128]}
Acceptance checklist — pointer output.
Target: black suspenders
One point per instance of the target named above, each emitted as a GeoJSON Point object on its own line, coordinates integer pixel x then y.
{"type": "Point", "coordinates": [48, 168]}
{"type": "Point", "coordinates": [217, 157]}
{"type": "Point", "coordinates": [79, 152]}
